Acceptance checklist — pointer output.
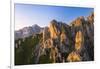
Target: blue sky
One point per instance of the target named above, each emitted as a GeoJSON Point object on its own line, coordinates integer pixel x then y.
{"type": "Point", "coordinates": [29, 14]}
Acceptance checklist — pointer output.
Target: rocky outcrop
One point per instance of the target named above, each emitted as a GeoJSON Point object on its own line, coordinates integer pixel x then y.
{"type": "Point", "coordinates": [54, 30]}
{"type": "Point", "coordinates": [83, 34]}
{"type": "Point", "coordinates": [74, 57]}
{"type": "Point", "coordinates": [79, 41]}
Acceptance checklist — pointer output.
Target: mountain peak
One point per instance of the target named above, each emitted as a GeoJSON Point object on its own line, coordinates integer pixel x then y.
{"type": "Point", "coordinates": [35, 25]}
{"type": "Point", "coordinates": [78, 21]}
{"type": "Point", "coordinates": [53, 21]}
{"type": "Point", "coordinates": [90, 18]}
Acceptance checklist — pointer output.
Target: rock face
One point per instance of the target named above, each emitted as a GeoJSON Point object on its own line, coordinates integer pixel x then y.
{"type": "Point", "coordinates": [78, 40]}
{"type": "Point", "coordinates": [54, 29]}
{"type": "Point", "coordinates": [60, 42]}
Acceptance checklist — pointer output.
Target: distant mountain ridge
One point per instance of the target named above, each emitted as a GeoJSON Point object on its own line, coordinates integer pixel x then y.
{"type": "Point", "coordinates": [28, 31]}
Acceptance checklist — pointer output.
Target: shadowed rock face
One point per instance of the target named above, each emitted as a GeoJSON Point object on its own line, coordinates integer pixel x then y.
{"type": "Point", "coordinates": [60, 42]}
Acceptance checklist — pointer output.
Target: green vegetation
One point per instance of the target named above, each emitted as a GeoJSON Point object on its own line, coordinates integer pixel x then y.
{"type": "Point", "coordinates": [23, 54]}
{"type": "Point", "coordinates": [44, 59]}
